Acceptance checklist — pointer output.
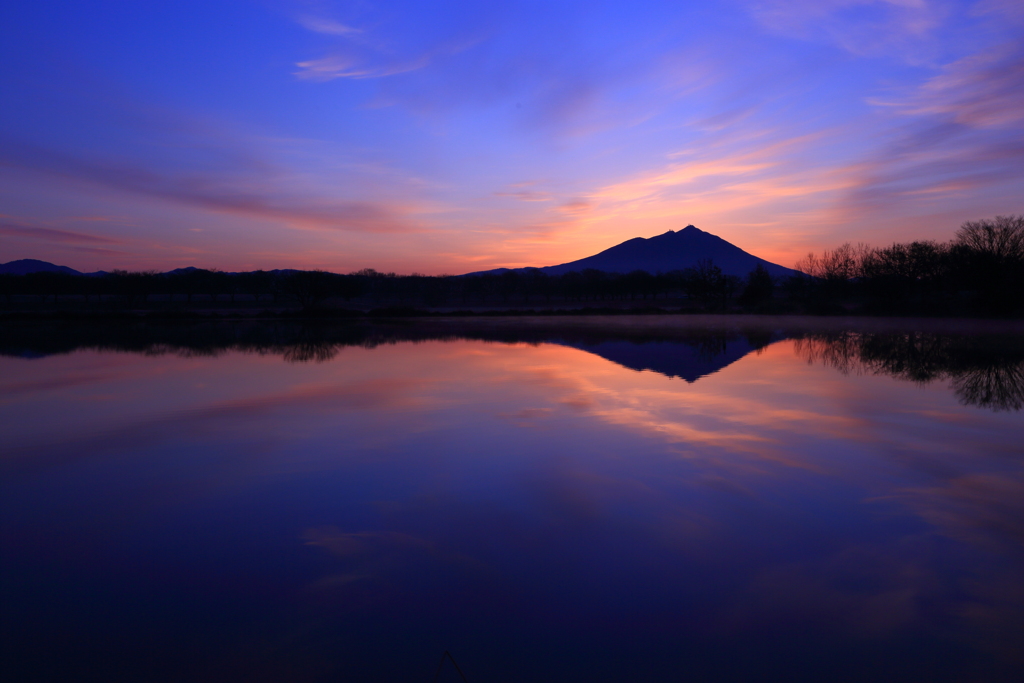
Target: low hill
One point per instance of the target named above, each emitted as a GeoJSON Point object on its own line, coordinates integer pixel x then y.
{"type": "Point", "coordinates": [674, 250]}
{"type": "Point", "coordinates": [27, 266]}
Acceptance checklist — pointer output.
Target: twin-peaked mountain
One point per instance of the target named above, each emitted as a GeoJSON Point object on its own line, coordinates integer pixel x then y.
{"type": "Point", "coordinates": [674, 250]}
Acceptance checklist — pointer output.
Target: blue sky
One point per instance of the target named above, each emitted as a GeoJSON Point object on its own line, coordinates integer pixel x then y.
{"type": "Point", "coordinates": [449, 136]}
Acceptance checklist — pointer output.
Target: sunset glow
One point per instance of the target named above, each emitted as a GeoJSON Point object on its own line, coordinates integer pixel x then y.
{"type": "Point", "coordinates": [448, 137]}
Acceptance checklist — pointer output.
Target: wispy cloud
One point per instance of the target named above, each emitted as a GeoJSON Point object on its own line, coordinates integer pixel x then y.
{"type": "Point", "coordinates": [576, 207]}
{"type": "Point", "coordinates": [494, 56]}
{"type": "Point", "coordinates": [679, 175]}
{"type": "Point", "coordinates": [862, 27]}
{"type": "Point", "coordinates": [756, 170]}
{"type": "Point", "coordinates": [361, 54]}
{"type": "Point", "coordinates": [526, 195]}
{"type": "Point", "coordinates": [982, 90]}
{"type": "Point", "coordinates": [34, 232]}
{"type": "Point", "coordinates": [247, 194]}
{"type": "Point", "coordinates": [99, 251]}
{"type": "Point", "coordinates": [911, 171]}
{"type": "Point", "coordinates": [326, 26]}
{"type": "Point", "coordinates": [345, 65]}
{"type": "Point", "coordinates": [959, 132]}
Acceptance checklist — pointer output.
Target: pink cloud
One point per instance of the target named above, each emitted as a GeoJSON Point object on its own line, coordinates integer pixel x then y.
{"type": "Point", "coordinates": [526, 195]}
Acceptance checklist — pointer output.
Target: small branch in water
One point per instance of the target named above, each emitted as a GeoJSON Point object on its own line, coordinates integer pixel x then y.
{"type": "Point", "coordinates": [439, 666]}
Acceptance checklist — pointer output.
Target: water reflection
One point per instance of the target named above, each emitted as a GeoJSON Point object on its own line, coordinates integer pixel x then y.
{"type": "Point", "coordinates": [983, 370]}
{"type": "Point", "coordinates": [689, 357]}
{"type": "Point", "coordinates": [237, 502]}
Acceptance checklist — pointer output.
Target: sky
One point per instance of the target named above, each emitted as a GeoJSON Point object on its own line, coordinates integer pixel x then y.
{"type": "Point", "coordinates": [447, 137]}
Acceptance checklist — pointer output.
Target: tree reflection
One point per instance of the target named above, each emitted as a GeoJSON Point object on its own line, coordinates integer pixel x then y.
{"type": "Point", "coordinates": [982, 370]}
{"type": "Point", "coordinates": [305, 352]}
{"type": "Point", "coordinates": [996, 388]}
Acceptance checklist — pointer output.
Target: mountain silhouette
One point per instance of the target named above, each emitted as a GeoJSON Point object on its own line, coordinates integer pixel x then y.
{"type": "Point", "coordinates": [27, 266]}
{"type": "Point", "coordinates": [674, 250]}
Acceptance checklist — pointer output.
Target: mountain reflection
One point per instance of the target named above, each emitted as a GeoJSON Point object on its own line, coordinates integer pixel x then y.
{"type": "Point", "coordinates": [689, 354]}
{"type": "Point", "coordinates": [690, 358]}
{"type": "Point", "coordinates": [982, 370]}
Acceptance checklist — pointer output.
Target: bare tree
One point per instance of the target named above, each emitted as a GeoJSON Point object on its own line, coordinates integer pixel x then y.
{"type": "Point", "coordinates": [1001, 237]}
{"type": "Point", "coordinates": [840, 264]}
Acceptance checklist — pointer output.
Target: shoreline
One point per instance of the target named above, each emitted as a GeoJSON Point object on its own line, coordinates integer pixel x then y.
{"type": "Point", "coordinates": [621, 320]}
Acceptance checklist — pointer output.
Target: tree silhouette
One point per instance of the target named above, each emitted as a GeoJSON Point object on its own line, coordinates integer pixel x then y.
{"type": "Point", "coordinates": [758, 290]}
{"type": "Point", "coordinates": [308, 287]}
{"type": "Point", "coordinates": [1000, 238]}
{"type": "Point", "coordinates": [707, 284]}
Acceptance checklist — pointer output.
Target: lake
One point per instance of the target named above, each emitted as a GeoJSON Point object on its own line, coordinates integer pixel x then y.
{"type": "Point", "coordinates": [594, 499]}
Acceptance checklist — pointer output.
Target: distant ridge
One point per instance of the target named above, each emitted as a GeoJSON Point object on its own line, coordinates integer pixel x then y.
{"type": "Point", "coordinates": [673, 250]}
{"type": "Point", "coordinates": [27, 266]}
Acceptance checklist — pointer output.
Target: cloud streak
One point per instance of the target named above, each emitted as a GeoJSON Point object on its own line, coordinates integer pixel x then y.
{"type": "Point", "coordinates": [51, 235]}
{"type": "Point", "coordinates": [249, 190]}
{"type": "Point", "coordinates": [342, 65]}
{"type": "Point", "coordinates": [526, 195]}
{"type": "Point", "coordinates": [862, 27]}
{"type": "Point", "coordinates": [365, 54]}
{"type": "Point", "coordinates": [326, 26]}
{"type": "Point", "coordinates": [961, 131]}
{"type": "Point", "coordinates": [982, 90]}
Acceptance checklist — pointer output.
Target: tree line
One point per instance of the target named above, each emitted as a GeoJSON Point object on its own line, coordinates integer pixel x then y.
{"type": "Point", "coordinates": [979, 272]}
{"type": "Point", "coordinates": [705, 284]}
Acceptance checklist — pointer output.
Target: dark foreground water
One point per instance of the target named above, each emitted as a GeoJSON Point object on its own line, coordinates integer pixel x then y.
{"type": "Point", "coordinates": [647, 500]}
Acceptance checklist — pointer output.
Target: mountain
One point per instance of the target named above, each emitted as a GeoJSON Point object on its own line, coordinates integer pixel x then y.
{"type": "Point", "coordinates": [26, 266]}
{"type": "Point", "coordinates": [674, 250]}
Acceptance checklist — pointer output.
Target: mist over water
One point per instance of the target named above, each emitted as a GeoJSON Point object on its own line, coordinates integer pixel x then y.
{"type": "Point", "coordinates": [548, 500]}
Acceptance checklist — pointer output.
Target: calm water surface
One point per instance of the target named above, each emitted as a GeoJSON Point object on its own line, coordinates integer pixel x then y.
{"type": "Point", "coordinates": [229, 504]}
